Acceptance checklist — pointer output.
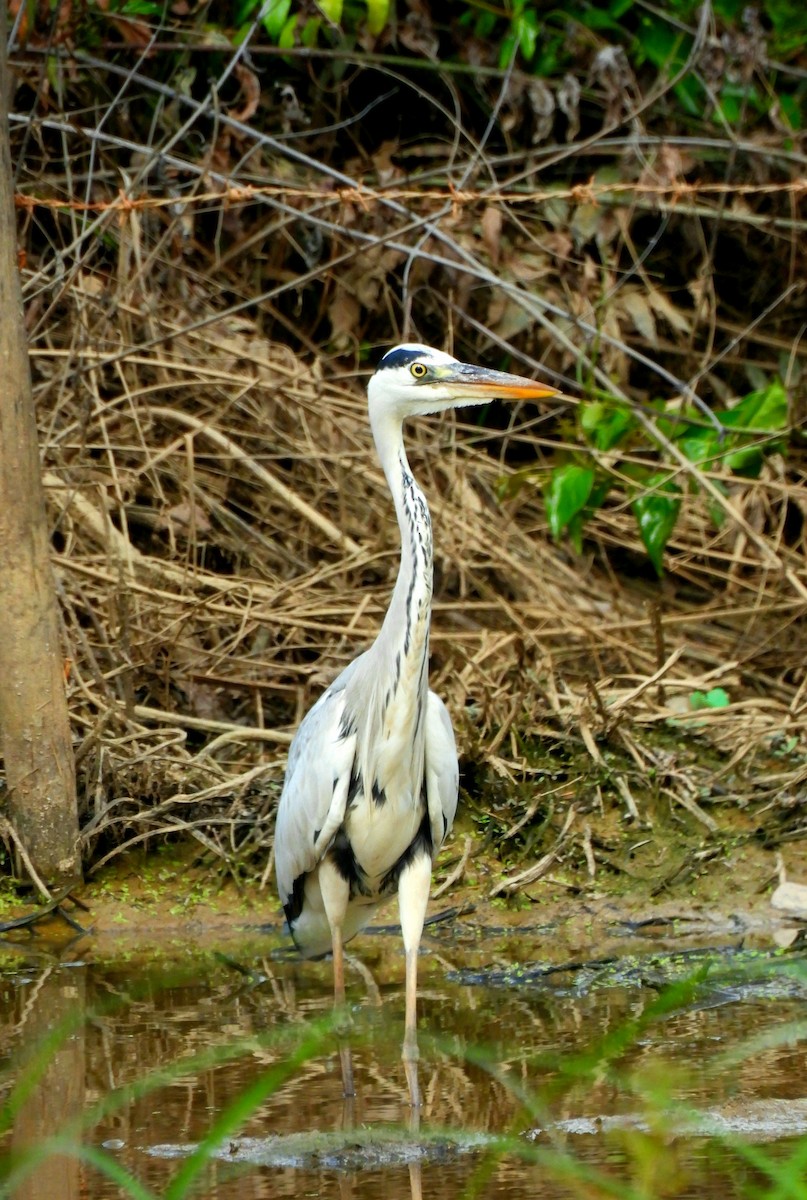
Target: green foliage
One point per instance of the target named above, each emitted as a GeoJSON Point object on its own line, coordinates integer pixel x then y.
{"type": "Point", "coordinates": [332, 9]}
{"type": "Point", "coordinates": [275, 17]}
{"type": "Point", "coordinates": [606, 423]}
{"type": "Point", "coordinates": [656, 511]}
{"type": "Point", "coordinates": [378, 12]}
{"type": "Point", "coordinates": [291, 22]}
{"type": "Point", "coordinates": [739, 441]}
{"type": "Point", "coordinates": [567, 494]}
{"type": "Point", "coordinates": [715, 698]}
{"type": "Point", "coordinates": [657, 39]}
{"type": "Point", "coordinates": [523, 35]}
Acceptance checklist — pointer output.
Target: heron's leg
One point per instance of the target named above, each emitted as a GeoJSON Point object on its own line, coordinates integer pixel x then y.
{"type": "Point", "coordinates": [413, 898]}
{"type": "Point", "coordinates": [415, 1173]}
{"type": "Point", "coordinates": [335, 896]}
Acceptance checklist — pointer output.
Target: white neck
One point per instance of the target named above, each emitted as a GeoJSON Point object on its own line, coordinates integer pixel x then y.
{"type": "Point", "coordinates": [405, 631]}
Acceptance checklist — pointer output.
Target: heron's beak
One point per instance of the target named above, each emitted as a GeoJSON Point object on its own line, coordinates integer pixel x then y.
{"type": "Point", "coordinates": [476, 384]}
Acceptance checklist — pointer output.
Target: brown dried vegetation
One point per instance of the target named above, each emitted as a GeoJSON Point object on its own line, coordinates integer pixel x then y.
{"type": "Point", "coordinates": [209, 281]}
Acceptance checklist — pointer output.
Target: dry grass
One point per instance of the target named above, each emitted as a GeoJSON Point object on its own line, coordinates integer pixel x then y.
{"type": "Point", "coordinates": [226, 544]}
{"type": "Point", "coordinates": [223, 538]}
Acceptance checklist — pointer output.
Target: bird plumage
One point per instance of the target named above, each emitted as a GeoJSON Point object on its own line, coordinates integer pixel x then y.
{"type": "Point", "coordinates": [376, 753]}
{"type": "Point", "coordinates": [371, 784]}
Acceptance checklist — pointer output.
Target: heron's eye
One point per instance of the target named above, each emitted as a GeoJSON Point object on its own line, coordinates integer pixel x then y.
{"type": "Point", "coordinates": [419, 369]}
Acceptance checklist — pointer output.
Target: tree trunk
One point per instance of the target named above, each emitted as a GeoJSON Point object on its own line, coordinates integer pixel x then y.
{"type": "Point", "coordinates": [34, 726]}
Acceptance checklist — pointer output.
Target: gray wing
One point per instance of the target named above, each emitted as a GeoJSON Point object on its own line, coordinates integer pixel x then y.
{"type": "Point", "coordinates": [442, 770]}
{"type": "Point", "coordinates": [314, 797]}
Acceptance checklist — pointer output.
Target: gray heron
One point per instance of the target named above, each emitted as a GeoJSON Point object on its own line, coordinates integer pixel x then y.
{"type": "Point", "coordinates": [372, 777]}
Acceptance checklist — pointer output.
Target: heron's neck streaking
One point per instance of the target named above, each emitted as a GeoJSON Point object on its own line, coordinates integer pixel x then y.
{"type": "Point", "coordinates": [405, 632]}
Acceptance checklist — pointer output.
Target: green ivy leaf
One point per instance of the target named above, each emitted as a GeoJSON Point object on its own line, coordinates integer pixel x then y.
{"type": "Point", "coordinates": [523, 35]}
{"type": "Point", "coordinates": [760, 412]}
{"type": "Point", "coordinates": [701, 446]}
{"type": "Point", "coordinates": [288, 33]}
{"type": "Point", "coordinates": [602, 21]}
{"type": "Point", "coordinates": [763, 411]}
{"type": "Point", "coordinates": [690, 93]}
{"type": "Point", "coordinates": [507, 50]}
{"type": "Point", "coordinates": [275, 17]}
{"type": "Point", "coordinates": [567, 493]}
{"type": "Point", "coordinates": [332, 9]}
{"type": "Point", "coordinates": [715, 698]}
{"type": "Point", "coordinates": [377, 15]}
{"type": "Point", "coordinates": [310, 32]}
{"type": "Point", "coordinates": [660, 44]}
{"type": "Point", "coordinates": [605, 424]}
{"type": "Point", "coordinates": [792, 112]}
{"type": "Point", "coordinates": [508, 486]}
{"type": "Point", "coordinates": [656, 513]}
{"type": "Point", "coordinates": [746, 461]}
{"type": "Point", "coordinates": [716, 512]}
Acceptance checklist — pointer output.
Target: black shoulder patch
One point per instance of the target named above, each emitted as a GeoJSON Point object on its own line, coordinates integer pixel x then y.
{"type": "Point", "coordinates": [293, 905]}
{"type": "Point", "coordinates": [401, 356]}
{"type": "Point", "coordinates": [344, 860]}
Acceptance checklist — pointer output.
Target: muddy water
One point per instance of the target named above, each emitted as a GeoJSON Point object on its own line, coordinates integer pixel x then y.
{"type": "Point", "coordinates": [575, 1052]}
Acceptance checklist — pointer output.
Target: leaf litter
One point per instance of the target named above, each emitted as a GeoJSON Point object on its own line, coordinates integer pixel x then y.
{"type": "Point", "coordinates": [223, 538]}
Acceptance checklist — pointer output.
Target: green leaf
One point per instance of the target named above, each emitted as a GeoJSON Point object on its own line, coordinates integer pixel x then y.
{"type": "Point", "coordinates": [575, 531]}
{"type": "Point", "coordinates": [737, 99]}
{"type": "Point", "coordinates": [763, 411]}
{"type": "Point", "coordinates": [747, 460]}
{"type": "Point", "coordinates": [714, 698]}
{"type": "Point", "coordinates": [549, 57]}
{"type": "Point", "coordinates": [791, 110]}
{"type": "Point", "coordinates": [656, 513]}
{"type": "Point", "coordinates": [605, 424]}
{"type": "Point", "coordinates": [332, 9]}
{"type": "Point", "coordinates": [275, 17]}
{"type": "Point", "coordinates": [700, 446]}
{"type": "Point", "coordinates": [595, 500]}
{"type": "Point", "coordinates": [602, 21]}
{"type": "Point", "coordinates": [244, 11]}
{"type": "Point", "coordinates": [524, 34]}
{"type": "Point", "coordinates": [759, 413]}
{"type": "Point", "coordinates": [141, 8]}
{"type": "Point", "coordinates": [377, 15]}
{"type": "Point", "coordinates": [287, 33]}
{"type": "Point", "coordinates": [716, 511]}
{"type": "Point", "coordinates": [310, 32]}
{"type": "Point", "coordinates": [660, 44]}
{"type": "Point", "coordinates": [690, 93]}
{"type": "Point", "coordinates": [507, 50]}
{"type": "Point", "coordinates": [598, 493]}
{"type": "Point", "coordinates": [508, 486]}
{"type": "Point", "coordinates": [567, 493]}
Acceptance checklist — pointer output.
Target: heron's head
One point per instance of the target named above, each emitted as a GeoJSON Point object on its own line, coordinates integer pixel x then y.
{"type": "Point", "coordinates": [412, 379]}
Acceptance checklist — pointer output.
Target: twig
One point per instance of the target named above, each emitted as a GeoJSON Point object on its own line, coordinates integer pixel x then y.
{"type": "Point", "coordinates": [286, 494]}
{"type": "Point", "coordinates": [8, 830]}
{"type": "Point", "coordinates": [458, 871]}
{"type": "Point", "coordinates": [524, 878]}
{"type": "Point", "coordinates": [588, 851]}
{"type": "Point", "coordinates": [626, 794]}
{"type": "Point", "coordinates": [247, 733]}
{"type": "Point", "coordinates": [658, 634]}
